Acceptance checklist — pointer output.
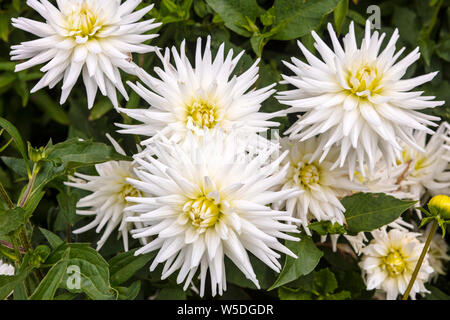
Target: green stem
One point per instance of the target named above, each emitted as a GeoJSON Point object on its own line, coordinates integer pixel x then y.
{"type": "Point", "coordinates": [16, 252]}
{"type": "Point", "coordinates": [434, 18]}
{"type": "Point", "coordinates": [419, 262]}
{"type": "Point", "coordinates": [29, 187]}
{"type": "Point", "coordinates": [4, 195]}
{"type": "Point", "coordinates": [23, 238]}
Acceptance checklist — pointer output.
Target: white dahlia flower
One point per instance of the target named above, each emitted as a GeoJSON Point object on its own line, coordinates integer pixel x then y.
{"type": "Point", "coordinates": [437, 253]}
{"type": "Point", "coordinates": [94, 38]}
{"type": "Point", "coordinates": [321, 185]}
{"type": "Point", "coordinates": [389, 260]}
{"type": "Point", "coordinates": [427, 172]}
{"type": "Point", "coordinates": [107, 201]}
{"type": "Point", "coordinates": [207, 202]}
{"type": "Point", "coordinates": [355, 98]}
{"type": "Point", "coordinates": [191, 99]}
{"type": "Point", "coordinates": [6, 269]}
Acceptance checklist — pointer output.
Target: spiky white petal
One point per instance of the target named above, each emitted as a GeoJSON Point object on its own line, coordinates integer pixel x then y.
{"type": "Point", "coordinates": [210, 201]}
{"type": "Point", "coordinates": [92, 38]}
{"type": "Point", "coordinates": [107, 200]}
{"type": "Point", "coordinates": [322, 183]}
{"type": "Point", "coordinates": [355, 98]}
{"type": "Point", "coordinates": [427, 172]}
{"type": "Point", "coordinates": [187, 98]}
{"type": "Point", "coordinates": [389, 261]}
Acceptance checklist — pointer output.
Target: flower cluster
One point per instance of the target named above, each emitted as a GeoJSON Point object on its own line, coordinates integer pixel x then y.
{"type": "Point", "coordinates": [206, 185]}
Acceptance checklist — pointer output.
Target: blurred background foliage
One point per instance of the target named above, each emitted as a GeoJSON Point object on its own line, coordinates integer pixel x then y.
{"type": "Point", "coordinates": [268, 29]}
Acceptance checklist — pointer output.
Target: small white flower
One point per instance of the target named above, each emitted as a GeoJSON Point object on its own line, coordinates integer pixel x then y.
{"type": "Point", "coordinates": [6, 269]}
{"type": "Point", "coordinates": [389, 260]}
{"type": "Point", "coordinates": [94, 38]}
{"type": "Point", "coordinates": [427, 172]}
{"type": "Point", "coordinates": [210, 201]}
{"type": "Point", "coordinates": [322, 185]}
{"type": "Point", "coordinates": [107, 201]}
{"type": "Point", "coordinates": [437, 253]}
{"type": "Point", "coordinates": [355, 98]}
{"type": "Point", "coordinates": [191, 99]}
{"type": "Point", "coordinates": [383, 178]}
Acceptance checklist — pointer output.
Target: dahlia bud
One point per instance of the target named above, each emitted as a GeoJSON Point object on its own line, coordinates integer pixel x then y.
{"type": "Point", "coordinates": [440, 205]}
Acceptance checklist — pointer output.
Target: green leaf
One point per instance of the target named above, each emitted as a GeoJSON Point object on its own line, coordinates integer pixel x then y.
{"type": "Point", "coordinates": [324, 281]}
{"type": "Point", "coordinates": [14, 133]}
{"type": "Point", "coordinates": [406, 21]}
{"type": "Point", "coordinates": [340, 13]}
{"type": "Point", "coordinates": [298, 18]}
{"type": "Point", "coordinates": [52, 238]}
{"type": "Point", "coordinates": [285, 293]}
{"type": "Point", "coordinates": [308, 258]}
{"type": "Point", "coordinates": [67, 204]}
{"type": "Point", "coordinates": [6, 79]}
{"type": "Point", "coordinates": [9, 283]}
{"type": "Point", "coordinates": [320, 285]}
{"type": "Point", "coordinates": [16, 5]}
{"type": "Point", "coordinates": [102, 107]}
{"type": "Point", "coordinates": [22, 90]}
{"type": "Point", "coordinates": [48, 286]}
{"type": "Point", "coordinates": [32, 203]}
{"type": "Point", "coordinates": [7, 66]}
{"type": "Point", "coordinates": [342, 295]}
{"type": "Point", "coordinates": [66, 296]}
{"type": "Point", "coordinates": [11, 220]}
{"type": "Point", "coordinates": [20, 292]}
{"type": "Point", "coordinates": [257, 42]}
{"type": "Point", "coordinates": [129, 293]}
{"type": "Point", "coordinates": [4, 27]}
{"type": "Point", "coordinates": [356, 17]}
{"type": "Point", "coordinates": [74, 153]}
{"type": "Point", "coordinates": [171, 294]}
{"type": "Point", "coordinates": [50, 107]}
{"type": "Point", "coordinates": [17, 165]}
{"type": "Point", "coordinates": [236, 12]}
{"type": "Point", "coordinates": [436, 294]}
{"type": "Point", "coordinates": [443, 49]}
{"type": "Point", "coordinates": [126, 264]}
{"type": "Point", "coordinates": [370, 211]}
{"type": "Point", "coordinates": [93, 270]}
{"type": "Point", "coordinates": [200, 8]}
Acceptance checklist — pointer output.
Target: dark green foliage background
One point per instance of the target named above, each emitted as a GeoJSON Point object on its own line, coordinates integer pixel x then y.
{"type": "Point", "coordinates": [263, 28]}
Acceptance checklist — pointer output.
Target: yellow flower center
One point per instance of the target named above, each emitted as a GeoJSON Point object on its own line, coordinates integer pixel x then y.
{"type": "Point", "coordinates": [203, 114]}
{"type": "Point", "coordinates": [420, 163]}
{"type": "Point", "coordinates": [306, 174]}
{"type": "Point", "coordinates": [360, 177]}
{"type": "Point", "coordinates": [364, 81]}
{"type": "Point", "coordinates": [129, 191]}
{"type": "Point", "coordinates": [83, 22]}
{"type": "Point", "coordinates": [203, 212]}
{"type": "Point", "coordinates": [394, 263]}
